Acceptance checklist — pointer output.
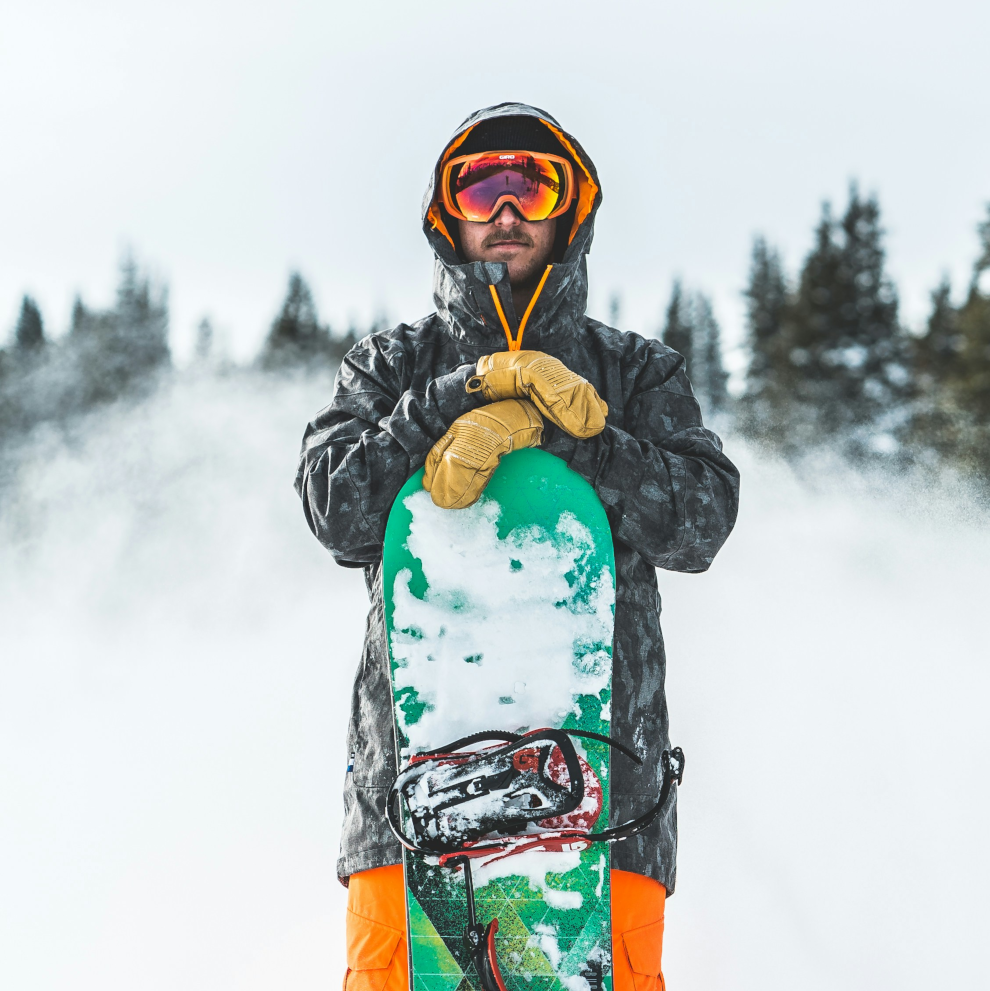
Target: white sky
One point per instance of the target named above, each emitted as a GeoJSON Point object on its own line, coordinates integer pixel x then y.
{"type": "Point", "coordinates": [227, 142]}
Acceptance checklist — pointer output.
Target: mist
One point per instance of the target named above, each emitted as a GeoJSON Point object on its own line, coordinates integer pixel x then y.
{"type": "Point", "coordinates": [177, 658]}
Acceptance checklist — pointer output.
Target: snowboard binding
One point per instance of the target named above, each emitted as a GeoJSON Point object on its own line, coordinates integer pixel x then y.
{"type": "Point", "coordinates": [453, 798]}
{"type": "Point", "coordinates": [534, 791]}
{"type": "Point", "coordinates": [531, 792]}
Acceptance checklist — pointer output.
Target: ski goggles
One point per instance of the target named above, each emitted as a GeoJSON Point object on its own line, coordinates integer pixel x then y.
{"type": "Point", "coordinates": [476, 187]}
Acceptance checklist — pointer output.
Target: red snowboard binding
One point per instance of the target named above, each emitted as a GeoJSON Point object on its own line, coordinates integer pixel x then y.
{"type": "Point", "coordinates": [484, 804]}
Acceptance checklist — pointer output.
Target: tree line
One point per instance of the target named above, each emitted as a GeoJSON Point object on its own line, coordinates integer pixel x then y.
{"type": "Point", "coordinates": [830, 361]}
{"type": "Point", "coordinates": [105, 356]}
{"type": "Point", "coordinates": [122, 353]}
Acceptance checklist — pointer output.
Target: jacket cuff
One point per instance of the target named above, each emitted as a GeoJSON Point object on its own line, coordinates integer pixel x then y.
{"type": "Point", "coordinates": [582, 456]}
{"type": "Point", "coordinates": [451, 396]}
{"type": "Point", "coordinates": [419, 420]}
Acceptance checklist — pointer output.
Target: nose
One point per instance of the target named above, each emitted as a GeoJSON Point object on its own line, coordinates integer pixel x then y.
{"type": "Point", "coordinates": [506, 217]}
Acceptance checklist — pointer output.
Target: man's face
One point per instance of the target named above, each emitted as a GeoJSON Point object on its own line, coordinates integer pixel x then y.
{"type": "Point", "coordinates": [526, 246]}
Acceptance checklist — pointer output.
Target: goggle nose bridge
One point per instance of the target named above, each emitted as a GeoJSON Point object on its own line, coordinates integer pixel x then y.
{"type": "Point", "coordinates": [508, 199]}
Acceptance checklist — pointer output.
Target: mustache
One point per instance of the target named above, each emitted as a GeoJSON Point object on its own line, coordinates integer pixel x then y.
{"type": "Point", "coordinates": [501, 234]}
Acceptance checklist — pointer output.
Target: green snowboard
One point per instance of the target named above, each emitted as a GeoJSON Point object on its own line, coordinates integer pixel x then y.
{"type": "Point", "coordinates": [500, 617]}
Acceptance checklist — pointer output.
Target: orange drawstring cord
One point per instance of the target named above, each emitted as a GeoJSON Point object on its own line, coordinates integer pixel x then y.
{"type": "Point", "coordinates": [501, 316]}
{"type": "Point", "coordinates": [515, 343]}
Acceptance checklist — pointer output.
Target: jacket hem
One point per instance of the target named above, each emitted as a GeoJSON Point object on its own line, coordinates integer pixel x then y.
{"type": "Point", "coordinates": [386, 855]}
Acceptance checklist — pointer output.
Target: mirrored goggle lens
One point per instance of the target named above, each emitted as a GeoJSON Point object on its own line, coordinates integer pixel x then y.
{"type": "Point", "coordinates": [536, 185]}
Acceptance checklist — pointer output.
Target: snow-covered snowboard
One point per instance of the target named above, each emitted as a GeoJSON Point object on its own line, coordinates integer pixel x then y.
{"type": "Point", "coordinates": [500, 621]}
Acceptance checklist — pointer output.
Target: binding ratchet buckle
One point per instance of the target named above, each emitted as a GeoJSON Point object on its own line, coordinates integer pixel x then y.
{"type": "Point", "coordinates": [531, 791]}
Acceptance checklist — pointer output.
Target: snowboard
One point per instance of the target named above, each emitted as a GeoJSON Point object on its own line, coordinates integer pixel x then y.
{"type": "Point", "coordinates": [499, 620]}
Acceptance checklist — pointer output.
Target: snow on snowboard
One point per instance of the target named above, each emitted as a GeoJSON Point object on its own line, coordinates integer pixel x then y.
{"type": "Point", "coordinates": [499, 621]}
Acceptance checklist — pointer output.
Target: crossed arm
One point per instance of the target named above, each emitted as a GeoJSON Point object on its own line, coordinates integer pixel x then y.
{"type": "Point", "coordinates": [669, 492]}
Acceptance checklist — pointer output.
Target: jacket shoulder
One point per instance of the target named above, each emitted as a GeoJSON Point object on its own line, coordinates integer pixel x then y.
{"type": "Point", "coordinates": [383, 354]}
{"type": "Point", "coordinates": [650, 361]}
{"type": "Point", "coordinates": [397, 340]}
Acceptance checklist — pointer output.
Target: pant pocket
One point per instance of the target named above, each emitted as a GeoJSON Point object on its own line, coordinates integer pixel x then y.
{"type": "Point", "coordinates": [372, 955]}
{"type": "Point", "coordinates": [644, 951]}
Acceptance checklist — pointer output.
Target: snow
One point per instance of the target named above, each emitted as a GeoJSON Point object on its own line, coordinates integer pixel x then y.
{"type": "Point", "coordinates": [600, 868]}
{"type": "Point", "coordinates": [175, 665]}
{"type": "Point", "coordinates": [563, 899]}
{"type": "Point", "coordinates": [534, 865]}
{"type": "Point", "coordinates": [454, 645]}
{"type": "Point", "coordinates": [546, 939]}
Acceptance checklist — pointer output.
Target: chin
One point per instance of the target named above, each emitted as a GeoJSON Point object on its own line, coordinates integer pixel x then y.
{"type": "Point", "coordinates": [513, 259]}
{"type": "Point", "coordinates": [504, 253]}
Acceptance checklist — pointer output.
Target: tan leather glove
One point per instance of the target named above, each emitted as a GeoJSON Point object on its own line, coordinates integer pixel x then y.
{"type": "Point", "coordinates": [460, 464]}
{"type": "Point", "coordinates": [561, 395]}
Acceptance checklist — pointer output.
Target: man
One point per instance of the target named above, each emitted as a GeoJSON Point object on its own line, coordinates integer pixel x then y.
{"type": "Point", "coordinates": [511, 360]}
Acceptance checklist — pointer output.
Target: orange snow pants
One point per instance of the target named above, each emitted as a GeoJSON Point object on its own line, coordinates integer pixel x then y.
{"type": "Point", "coordinates": [377, 959]}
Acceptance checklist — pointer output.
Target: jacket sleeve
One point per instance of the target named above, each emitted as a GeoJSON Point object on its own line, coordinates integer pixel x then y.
{"type": "Point", "coordinates": [359, 451]}
{"type": "Point", "coordinates": [669, 491]}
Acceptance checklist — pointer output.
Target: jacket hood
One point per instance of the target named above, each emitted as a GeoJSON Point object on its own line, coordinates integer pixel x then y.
{"type": "Point", "coordinates": [474, 298]}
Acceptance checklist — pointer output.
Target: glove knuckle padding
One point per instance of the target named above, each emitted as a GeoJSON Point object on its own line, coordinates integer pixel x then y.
{"type": "Point", "coordinates": [555, 374]}
{"type": "Point", "coordinates": [478, 444]}
{"type": "Point", "coordinates": [479, 438]}
{"type": "Point", "coordinates": [563, 396]}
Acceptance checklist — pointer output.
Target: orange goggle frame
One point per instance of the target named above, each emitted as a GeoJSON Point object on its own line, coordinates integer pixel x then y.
{"type": "Point", "coordinates": [475, 187]}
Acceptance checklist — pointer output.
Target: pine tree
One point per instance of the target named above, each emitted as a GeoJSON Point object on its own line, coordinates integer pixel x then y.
{"type": "Point", "coordinates": [937, 362]}
{"type": "Point", "coordinates": [972, 385]}
{"type": "Point", "coordinates": [952, 359]}
{"type": "Point", "coordinates": [141, 321]}
{"type": "Point", "coordinates": [952, 411]}
{"type": "Point", "coordinates": [765, 404]}
{"type": "Point", "coordinates": [80, 317]}
{"type": "Point", "coordinates": [692, 330]}
{"type": "Point", "coordinates": [983, 261]}
{"type": "Point", "coordinates": [766, 297]}
{"type": "Point", "coordinates": [938, 351]}
{"type": "Point", "coordinates": [711, 379]}
{"type": "Point", "coordinates": [676, 332]}
{"type": "Point", "coordinates": [969, 386]}
{"type": "Point", "coordinates": [118, 352]}
{"type": "Point", "coordinates": [847, 355]}
{"type": "Point", "coordinates": [203, 348]}
{"type": "Point", "coordinates": [814, 322]}
{"type": "Point", "coordinates": [296, 337]}
{"type": "Point", "coordinates": [870, 311]}
{"type": "Point", "coordinates": [22, 372]}
{"type": "Point", "coordinates": [29, 334]}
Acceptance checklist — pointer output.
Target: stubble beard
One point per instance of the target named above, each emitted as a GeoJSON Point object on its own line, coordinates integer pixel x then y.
{"type": "Point", "coordinates": [499, 235]}
{"type": "Point", "coordinates": [530, 268]}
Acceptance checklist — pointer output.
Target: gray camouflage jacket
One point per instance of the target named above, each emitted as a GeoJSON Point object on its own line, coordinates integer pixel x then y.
{"type": "Point", "coordinates": [669, 492]}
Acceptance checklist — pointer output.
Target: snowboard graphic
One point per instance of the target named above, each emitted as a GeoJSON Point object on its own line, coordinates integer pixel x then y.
{"type": "Point", "coordinates": [500, 621]}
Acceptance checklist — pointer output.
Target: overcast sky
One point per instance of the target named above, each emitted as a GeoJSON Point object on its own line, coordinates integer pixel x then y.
{"type": "Point", "coordinates": [229, 142]}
